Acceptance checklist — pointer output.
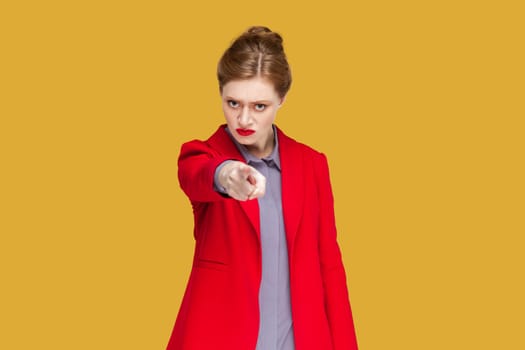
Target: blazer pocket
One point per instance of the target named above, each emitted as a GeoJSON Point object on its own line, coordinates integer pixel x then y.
{"type": "Point", "coordinates": [212, 264]}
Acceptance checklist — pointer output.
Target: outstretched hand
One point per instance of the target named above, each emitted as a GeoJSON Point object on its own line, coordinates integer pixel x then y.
{"type": "Point", "coordinates": [241, 181]}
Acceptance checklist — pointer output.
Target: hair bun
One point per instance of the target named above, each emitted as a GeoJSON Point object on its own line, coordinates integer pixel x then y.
{"type": "Point", "coordinates": [258, 30]}
{"type": "Point", "coordinates": [266, 33]}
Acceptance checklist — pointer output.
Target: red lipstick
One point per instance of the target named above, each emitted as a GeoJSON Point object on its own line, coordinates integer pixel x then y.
{"type": "Point", "coordinates": [244, 132]}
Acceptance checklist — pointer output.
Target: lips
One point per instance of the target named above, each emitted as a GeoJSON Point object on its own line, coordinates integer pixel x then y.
{"type": "Point", "coordinates": [245, 132]}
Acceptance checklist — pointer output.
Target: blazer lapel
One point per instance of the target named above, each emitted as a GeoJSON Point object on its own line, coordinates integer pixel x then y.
{"type": "Point", "coordinates": [221, 142]}
{"type": "Point", "coordinates": [292, 179]}
{"type": "Point", "coordinates": [251, 209]}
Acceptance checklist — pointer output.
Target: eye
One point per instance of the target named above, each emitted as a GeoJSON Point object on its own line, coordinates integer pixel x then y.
{"type": "Point", "coordinates": [259, 107]}
{"type": "Point", "coordinates": [233, 104]}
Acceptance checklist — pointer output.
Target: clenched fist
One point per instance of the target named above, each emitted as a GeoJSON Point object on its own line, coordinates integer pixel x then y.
{"type": "Point", "coordinates": [241, 181]}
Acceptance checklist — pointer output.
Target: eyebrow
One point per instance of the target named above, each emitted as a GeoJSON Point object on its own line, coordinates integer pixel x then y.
{"type": "Point", "coordinates": [256, 101]}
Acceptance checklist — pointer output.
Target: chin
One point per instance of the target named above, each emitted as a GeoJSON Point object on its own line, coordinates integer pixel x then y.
{"type": "Point", "coordinates": [244, 142]}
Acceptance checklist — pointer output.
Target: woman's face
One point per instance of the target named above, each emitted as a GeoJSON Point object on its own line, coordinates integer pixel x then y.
{"type": "Point", "coordinates": [250, 107]}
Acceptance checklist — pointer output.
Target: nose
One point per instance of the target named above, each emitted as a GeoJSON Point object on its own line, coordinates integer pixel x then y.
{"type": "Point", "coordinates": [244, 117]}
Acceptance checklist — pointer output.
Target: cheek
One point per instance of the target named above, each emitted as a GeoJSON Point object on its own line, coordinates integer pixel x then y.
{"type": "Point", "coordinates": [228, 114]}
{"type": "Point", "coordinates": [269, 117]}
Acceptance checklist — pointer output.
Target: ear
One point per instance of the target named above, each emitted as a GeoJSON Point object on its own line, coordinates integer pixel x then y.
{"type": "Point", "coordinates": [282, 100]}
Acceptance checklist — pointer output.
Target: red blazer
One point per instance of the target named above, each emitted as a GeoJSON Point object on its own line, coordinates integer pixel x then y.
{"type": "Point", "coordinates": [220, 308]}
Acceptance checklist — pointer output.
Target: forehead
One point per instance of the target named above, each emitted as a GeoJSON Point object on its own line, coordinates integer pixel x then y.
{"type": "Point", "coordinates": [254, 89]}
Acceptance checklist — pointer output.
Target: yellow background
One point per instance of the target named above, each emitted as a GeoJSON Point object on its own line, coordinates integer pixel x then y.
{"type": "Point", "coordinates": [417, 104]}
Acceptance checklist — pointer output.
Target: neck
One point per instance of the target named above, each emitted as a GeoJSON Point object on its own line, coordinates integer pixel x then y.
{"type": "Point", "coordinates": [265, 149]}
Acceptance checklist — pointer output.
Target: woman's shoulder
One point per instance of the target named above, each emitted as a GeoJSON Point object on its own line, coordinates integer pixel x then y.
{"type": "Point", "coordinates": [291, 144]}
{"type": "Point", "coordinates": [217, 139]}
{"type": "Point", "coordinates": [219, 144]}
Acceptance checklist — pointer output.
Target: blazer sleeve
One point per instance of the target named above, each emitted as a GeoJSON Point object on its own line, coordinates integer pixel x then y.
{"type": "Point", "coordinates": [196, 169]}
{"type": "Point", "coordinates": [337, 304]}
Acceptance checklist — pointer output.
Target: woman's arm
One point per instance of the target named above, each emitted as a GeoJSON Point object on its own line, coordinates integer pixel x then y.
{"type": "Point", "coordinates": [200, 168]}
{"type": "Point", "coordinates": [197, 163]}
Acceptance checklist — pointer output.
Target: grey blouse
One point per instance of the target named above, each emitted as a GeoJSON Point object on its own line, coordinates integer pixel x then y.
{"type": "Point", "coordinates": [275, 328]}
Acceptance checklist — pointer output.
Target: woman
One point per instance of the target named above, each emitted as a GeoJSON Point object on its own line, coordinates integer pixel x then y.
{"type": "Point", "coordinates": [267, 272]}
